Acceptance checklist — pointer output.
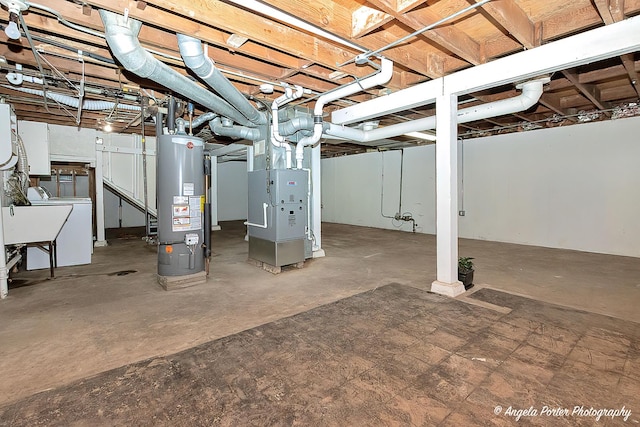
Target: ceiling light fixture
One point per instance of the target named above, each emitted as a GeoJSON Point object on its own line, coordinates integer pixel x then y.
{"type": "Point", "coordinates": [108, 124]}
{"type": "Point", "coordinates": [12, 30]}
{"type": "Point", "coordinates": [421, 135]}
{"type": "Point", "coordinates": [15, 7]}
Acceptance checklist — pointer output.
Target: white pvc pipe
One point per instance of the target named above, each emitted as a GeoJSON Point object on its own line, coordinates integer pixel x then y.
{"type": "Point", "coordinates": [590, 46]}
{"type": "Point", "coordinates": [264, 218]}
{"type": "Point", "coordinates": [382, 77]}
{"type": "Point", "coordinates": [276, 139]}
{"type": "Point", "coordinates": [531, 92]}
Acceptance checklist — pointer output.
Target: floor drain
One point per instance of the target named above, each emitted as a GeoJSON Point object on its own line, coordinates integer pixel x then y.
{"type": "Point", "coordinates": [123, 272]}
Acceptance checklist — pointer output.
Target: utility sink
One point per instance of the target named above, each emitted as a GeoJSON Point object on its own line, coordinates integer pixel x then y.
{"type": "Point", "coordinates": [28, 224]}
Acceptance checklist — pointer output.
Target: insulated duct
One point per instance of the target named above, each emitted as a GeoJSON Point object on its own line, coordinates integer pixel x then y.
{"type": "Point", "coordinates": [296, 124]}
{"type": "Point", "coordinates": [74, 102]}
{"type": "Point", "coordinates": [531, 92]}
{"type": "Point", "coordinates": [121, 35]}
{"type": "Point", "coordinates": [203, 118]}
{"type": "Point", "coordinates": [195, 59]}
{"type": "Point", "coordinates": [233, 131]}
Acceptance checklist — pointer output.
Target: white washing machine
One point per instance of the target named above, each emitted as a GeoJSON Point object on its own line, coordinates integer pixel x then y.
{"type": "Point", "coordinates": [74, 245]}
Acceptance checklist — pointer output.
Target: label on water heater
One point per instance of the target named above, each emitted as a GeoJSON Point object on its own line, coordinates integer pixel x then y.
{"type": "Point", "coordinates": [188, 188]}
{"type": "Point", "coordinates": [187, 215]}
{"type": "Point", "coordinates": [292, 183]}
{"type": "Point", "coordinates": [180, 210]}
{"type": "Point", "coordinates": [180, 200]}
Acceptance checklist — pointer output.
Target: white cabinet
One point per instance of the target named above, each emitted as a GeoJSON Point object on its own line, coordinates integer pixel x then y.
{"type": "Point", "coordinates": [35, 136]}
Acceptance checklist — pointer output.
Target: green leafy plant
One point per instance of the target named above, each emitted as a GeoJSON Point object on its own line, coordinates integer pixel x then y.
{"type": "Point", "coordinates": [465, 264]}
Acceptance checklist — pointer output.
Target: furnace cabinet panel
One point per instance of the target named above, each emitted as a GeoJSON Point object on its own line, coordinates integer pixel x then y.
{"type": "Point", "coordinates": [285, 193]}
{"type": "Point", "coordinates": [278, 240]}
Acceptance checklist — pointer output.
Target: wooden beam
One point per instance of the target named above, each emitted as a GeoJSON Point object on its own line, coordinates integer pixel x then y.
{"type": "Point", "coordinates": [630, 66]}
{"type": "Point", "coordinates": [366, 19]}
{"type": "Point", "coordinates": [612, 11]}
{"type": "Point", "coordinates": [183, 17]}
{"type": "Point", "coordinates": [552, 103]}
{"type": "Point", "coordinates": [602, 7]}
{"type": "Point", "coordinates": [337, 19]}
{"type": "Point", "coordinates": [559, 25]}
{"type": "Point", "coordinates": [514, 20]}
{"type": "Point", "coordinates": [449, 37]}
{"type": "Point", "coordinates": [402, 6]}
{"type": "Point", "coordinates": [591, 92]}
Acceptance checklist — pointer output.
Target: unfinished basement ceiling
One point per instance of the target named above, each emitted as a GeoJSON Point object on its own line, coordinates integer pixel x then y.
{"type": "Point", "coordinates": [255, 48]}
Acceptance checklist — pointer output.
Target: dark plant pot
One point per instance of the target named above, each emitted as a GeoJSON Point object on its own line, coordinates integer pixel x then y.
{"type": "Point", "coordinates": [466, 277]}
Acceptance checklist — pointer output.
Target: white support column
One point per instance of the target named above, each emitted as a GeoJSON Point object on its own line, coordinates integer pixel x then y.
{"type": "Point", "coordinates": [213, 194]}
{"type": "Point", "coordinates": [316, 202]}
{"type": "Point", "coordinates": [100, 238]}
{"type": "Point", "coordinates": [447, 197]}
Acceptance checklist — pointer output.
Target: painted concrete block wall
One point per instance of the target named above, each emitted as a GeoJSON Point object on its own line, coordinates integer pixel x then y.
{"type": "Point", "coordinates": [354, 188]}
{"type": "Point", "coordinates": [569, 187]}
{"type": "Point", "coordinates": [232, 191]}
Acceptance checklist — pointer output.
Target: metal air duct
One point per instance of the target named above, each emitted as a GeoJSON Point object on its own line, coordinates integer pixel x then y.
{"type": "Point", "coordinates": [195, 59]}
{"type": "Point", "coordinates": [121, 35]}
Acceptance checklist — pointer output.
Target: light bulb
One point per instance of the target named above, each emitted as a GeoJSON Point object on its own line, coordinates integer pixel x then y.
{"type": "Point", "coordinates": [12, 31]}
{"type": "Point", "coordinates": [107, 127]}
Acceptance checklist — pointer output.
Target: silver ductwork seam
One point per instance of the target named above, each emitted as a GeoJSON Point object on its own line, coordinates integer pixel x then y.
{"type": "Point", "coordinates": [121, 35]}
{"type": "Point", "coordinates": [195, 59]}
{"type": "Point", "coordinates": [202, 119]}
{"type": "Point", "coordinates": [234, 131]}
{"type": "Point", "coordinates": [288, 127]}
{"type": "Point", "coordinates": [296, 124]}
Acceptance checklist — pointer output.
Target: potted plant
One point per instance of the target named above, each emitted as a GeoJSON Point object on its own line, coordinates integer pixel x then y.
{"type": "Point", "coordinates": [465, 272]}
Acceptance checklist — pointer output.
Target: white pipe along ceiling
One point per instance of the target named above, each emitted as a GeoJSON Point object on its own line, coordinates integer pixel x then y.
{"type": "Point", "coordinates": [584, 48]}
{"type": "Point", "coordinates": [531, 92]}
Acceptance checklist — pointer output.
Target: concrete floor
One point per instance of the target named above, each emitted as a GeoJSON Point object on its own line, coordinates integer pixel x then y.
{"type": "Point", "coordinates": [90, 319]}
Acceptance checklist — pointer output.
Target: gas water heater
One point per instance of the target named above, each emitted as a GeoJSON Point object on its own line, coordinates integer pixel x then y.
{"type": "Point", "coordinates": [181, 197]}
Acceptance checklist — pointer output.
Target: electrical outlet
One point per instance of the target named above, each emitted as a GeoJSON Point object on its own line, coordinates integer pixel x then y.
{"type": "Point", "coordinates": [461, 213]}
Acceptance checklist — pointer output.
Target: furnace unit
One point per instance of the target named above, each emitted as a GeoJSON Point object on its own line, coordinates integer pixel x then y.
{"type": "Point", "coordinates": [277, 215]}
